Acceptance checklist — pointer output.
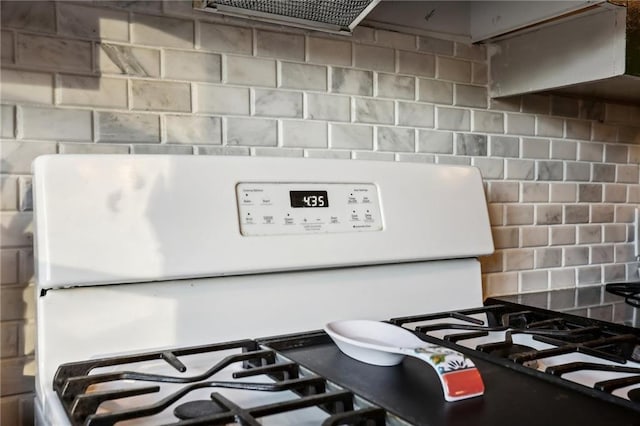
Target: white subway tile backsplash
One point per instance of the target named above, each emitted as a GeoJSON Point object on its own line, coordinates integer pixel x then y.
{"type": "Point", "coordinates": [25, 86]}
{"type": "Point", "coordinates": [533, 281]}
{"type": "Point", "coordinates": [562, 235]}
{"type": "Point", "coordinates": [589, 234]}
{"type": "Point", "coordinates": [277, 103]}
{"type": "Point", "coordinates": [225, 38]}
{"type": "Point", "coordinates": [302, 76]}
{"type": "Point", "coordinates": [576, 213]}
{"type": "Point", "coordinates": [627, 173]}
{"type": "Point", "coordinates": [395, 86]}
{"type": "Point", "coordinates": [251, 132]}
{"type": "Point", "coordinates": [77, 20]}
{"type": "Point", "coordinates": [616, 153]}
{"type": "Point", "coordinates": [535, 148]}
{"type": "Point", "coordinates": [435, 45]}
{"type": "Point", "coordinates": [8, 121]}
{"type": "Point", "coordinates": [589, 193]}
{"type": "Point", "coordinates": [47, 52]}
{"type": "Point", "coordinates": [589, 275]}
{"type": "Point", "coordinates": [221, 150]}
{"type": "Point", "coordinates": [161, 149]}
{"type": "Point", "coordinates": [160, 96]}
{"type": "Point", "coordinates": [471, 144]}
{"type": "Point", "coordinates": [520, 169]}
{"type": "Point", "coordinates": [476, 52]}
{"type": "Point", "coordinates": [549, 170]}
{"type": "Point", "coordinates": [328, 107]}
{"type": "Point", "coordinates": [488, 122]}
{"type": "Point", "coordinates": [590, 151]}
{"type": "Point", "coordinates": [328, 52]}
{"type": "Point", "coordinates": [127, 60]}
{"type": "Point", "coordinates": [549, 214]}
{"type": "Point", "coordinates": [418, 64]}
{"type": "Point", "coordinates": [250, 71]}
{"type": "Point", "coordinates": [22, 15]}
{"type": "Point", "coordinates": [374, 57]}
{"type": "Point", "coordinates": [433, 141]}
{"type": "Point", "coordinates": [350, 136]}
{"type": "Point", "coordinates": [521, 124]}
{"type": "Point", "coordinates": [602, 213]}
{"type": "Point", "coordinates": [373, 156]}
{"type": "Point", "coordinates": [126, 127]}
{"type": "Point", "coordinates": [415, 114]}
{"type": "Point", "coordinates": [574, 256]}
{"type": "Point", "coordinates": [563, 150]}
{"type": "Point", "coordinates": [519, 214]}
{"type": "Point", "coordinates": [604, 132]}
{"type": "Point", "coordinates": [222, 99]}
{"type": "Point", "coordinates": [373, 111]}
{"type": "Point", "coordinates": [395, 39]}
{"type": "Point", "coordinates": [277, 152]}
{"type": "Point", "coordinates": [563, 192]}
{"type": "Point", "coordinates": [162, 31]}
{"type": "Point", "coordinates": [453, 69]}
{"type": "Point", "coordinates": [351, 82]}
{"type": "Point", "coordinates": [490, 168]}
{"type": "Point", "coordinates": [504, 192]}
{"type": "Point", "coordinates": [192, 66]}
{"type": "Point", "coordinates": [453, 119]}
{"type": "Point", "coordinates": [471, 96]}
{"type": "Point", "coordinates": [7, 51]}
{"type": "Point", "coordinates": [17, 157]}
{"type": "Point", "coordinates": [395, 139]}
{"type": "Point", "coordinates": [536, 104]}
{"type": "Point", "coordinates": [56, 124]}
{"type": "Point", "coordinates": [575, 171]}
{"type": "Point", "coordinates": [193, 129]}
{"type": "Point", "coordinates": [92, 148]}
{"type": "Point", "coordinates": [518, 260]}
{"type": "Point", "coordinates": [479, 73]}
{"type": "Point", "coordinates": [9, 194]}
{"type": "Point", "coordinates": [615, 193]}
{"type": "Point", "coordinates": [503, 146]}
{"type": "Point", "coordinates": [535, 192]}
{"type": "Point", "coordinates": [548, 257]}
{"type": "Point", "coordinates": [578, 129]}
{"type": "Point", "coordinates": [280, 45]}
{"type": "Point", "coordinates": [92, 91]}
{"type": "Point", "coordinates": [304, 134]}
{"type": "Point", "coordinates": [435, 91]}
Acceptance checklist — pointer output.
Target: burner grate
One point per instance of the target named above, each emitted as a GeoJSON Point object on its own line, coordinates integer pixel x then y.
{"type": "Point", "coordinates": [82, 403]}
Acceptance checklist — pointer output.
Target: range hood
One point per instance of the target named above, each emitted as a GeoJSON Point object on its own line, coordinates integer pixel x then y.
{"type": "Point", "coordinates": [595, 54]}
{"type": "Point", "coordinates": [336, 16]}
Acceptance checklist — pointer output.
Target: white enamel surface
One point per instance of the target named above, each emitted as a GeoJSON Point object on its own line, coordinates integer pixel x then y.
{"type": "Point", "coordinates": [120, 218]}
{"type": "Point", "coordinates": [86, 322]}
{"type": "Point", "coordinates": [372, 342]}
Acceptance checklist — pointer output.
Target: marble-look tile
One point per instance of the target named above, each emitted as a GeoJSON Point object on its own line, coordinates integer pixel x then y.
{"type": "Point", "coordinates": [250, 71]}
{"type": "Point", "coordinates": [563, 235]}
{"type": "Point", "coordinates": [277, 152]}
{"type": "Point", "coordinates": [519, 215]}
{"type": "Point", "coordinates": [134, 61]}
{"type": "Point", "coordinates": [415, 158]}
{"type": "Point", "coordinates": [435, 45]}
{"type": "Point", "coordinates": [453, 69]}
{"type": "Point", "coordinates": [162, 31]}
{"type": "Point", "coordinates": [277, 103]}
{"type": "Point", "coordinates": [578, 129]}
{"type": "Point", "coordinates": [549, 126]}
{"type": "Point", "coordinates": [328, 153]}
{"type": "Point", "coordinates": [533, 280]}
{"type": "Point", "coordinates": [161, 149]}
{"type": "Point", "coordinates": [550, 170]}
{"type": "Point", "coordinates": [471, 96]}
{"type": "Point", "coordinates": [616, 153]}
{"type": "Point", "coordinates": [604, 132]}
{"type": "Point", "coordinates": [435, 142]}
{"type": "Point", "coordinates": [453, 160]}
{"type": "Point", "coordinates": [536, 104]}
{"type": "Point", "coordinates": [479, 73]}
{"type": "Point", "coordinates": [395, 139]}
{"type": "Point", "coordinates": [453, 119]}
{"type": "Point", "coordinates": [624, 253]}
{"type": "Point", "coordinates": [193, 129]}
{"type": "Point", "coordinates": [92, 148]}
{"type": "Point", "coordinates": [374, 57]}
{"type": "Point", "coordinates": [471, 144]}
{"type": "Point", "coordinates": [148, 6]}
{"type": "Point", "coordinates": [589, 193]}
{"type": "Point", "coordinates": [590, 234]}
{"type": "Point", "coordinates": [8, 202]}
{"type": "Point", "coordinates": [396, 39]}
{"type": "Point", "coordinates": [576, 214]}
{"type": "Point", "coordinates": [535, 192]}
{"type": "Point", "coordinates": [280, 45]}
{"type": "Point", "coordinates": [415, 114]}
{"type": "Point", "coordinates": [221, 150]}
{"type": "Point", "coordinates": [373, 156]}
{"type": "Point", "coordinates": [549, 214]}
{"type": "Point", "coordinates": [51, 52]}
{"type": "Point", "coordinates": [518, 260]}
{"type": "Point", "coordinates": [520, 169]}
{"type": "Point", "coordinates": [328, 107]}
{"type": "Point", "coordinates": [303, 76]}
{"type": "Point", "coordinates": [627, 173]}
{"type": "Point", "coordinates": [563, 150]}
{"type": "Point", "coordinates": [225, 38]}
{"type": "Point", "coordinates": [615, 233]}
{"type": "Point", "coordinates": [419, 64]}
{"type": "Point", "coordinates": [564, 106]}
{"type": "Point", "coordinates": [351, 136]}
{"type": "Point", "coordinates": [577, 171]}
{"type": "Point", "coordinates": [31, 16]}
{"type": "Point", "coordinates": [26, 86]}
{"type": "Point", "coordinates": [592, 275]}
{"type": "Point", "coordinates": [56, 124]}
{"type": "Point", "coordinates": [304, 134]}
{"type": "Point", "coordinates": [615, 193]}
{"type": "Point", "coordinates": [16, 157]}
{"type": "Point", "coordinates": [124, 127]}
{"type": "Point", "coordinates": [504, 146]}
{"type": "Point", "coordinates": [8, 121]}
{"type": "Point", "coordinates": [192, 66]}
{"type": "Point", "coordinates": [576, 256]}
{"type": "Point", "coordinates": [613, 273]}
{"type": "Point", "coordinates": [373, 111]}
{"type": "Point", "coordinates": [603, 172]}
{"type": "Point", "coordinates": [90, 22]}
{"type": "Point", "coordinates": [160, 96]}
{"type": "Point", "coordinates": [436, 91]}
{"type": "Point", "coordinates": [503, 192]}
{"type": "Point", "coordinates": [488, 121]}
{"type": "Point", "coordinates": [564, 193]}
{"type": "Point", "coordinates": [92, 91]}
{"type": "Point", "coordinates": [521, 124]}
{"type": "Point", "coordinates": [535, 148]}
{"type": "Point", "coordinates": [7, 53]}
{"type": "Point", "coordinates": [396, 87]}
{"type": "Point", "coordinates": [222, 99]}
{"type": "Point", "coordinates": [490, 168]}
{"type": "Point", "coordinates": [328, 52]}
{"type": "Point", "coordinates": [603, 213]}
{"type": "Point", "coordinates": [352, 82]}
{"type": "Point", "coordinates": [251, 132]}
{"type": "Point", "coordinates": [588, 151]}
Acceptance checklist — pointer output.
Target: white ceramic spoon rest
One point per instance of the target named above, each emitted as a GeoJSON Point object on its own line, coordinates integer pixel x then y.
{"type": "Point", "coordinates": [380, 343]}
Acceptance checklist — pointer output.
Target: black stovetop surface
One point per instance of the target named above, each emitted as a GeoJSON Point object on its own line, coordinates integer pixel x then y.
{"type": "Point", "coordinates": [411, 391]}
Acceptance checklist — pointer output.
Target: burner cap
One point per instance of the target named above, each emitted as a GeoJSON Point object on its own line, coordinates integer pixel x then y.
{"type": "Point", "coordinates": [197, 409]}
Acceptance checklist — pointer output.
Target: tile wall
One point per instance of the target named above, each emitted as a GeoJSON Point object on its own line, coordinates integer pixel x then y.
{"type": "Point", "coordinates": [156, 77]}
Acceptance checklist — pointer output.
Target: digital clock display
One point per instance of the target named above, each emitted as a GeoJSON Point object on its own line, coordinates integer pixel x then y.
{"type": "Point", "coordinates": [309, 198]}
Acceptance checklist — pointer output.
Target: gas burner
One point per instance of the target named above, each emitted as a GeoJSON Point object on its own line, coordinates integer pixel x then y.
{"type": "Point", "coordinates": [198, 409]}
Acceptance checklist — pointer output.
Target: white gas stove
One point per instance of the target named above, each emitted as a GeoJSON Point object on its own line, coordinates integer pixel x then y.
{"type": "Point", "coordinates": [144, 253]}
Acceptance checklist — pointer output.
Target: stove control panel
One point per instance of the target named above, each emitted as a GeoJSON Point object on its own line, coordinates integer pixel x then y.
{"type": "Point", "coordinates": [301, 208]}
